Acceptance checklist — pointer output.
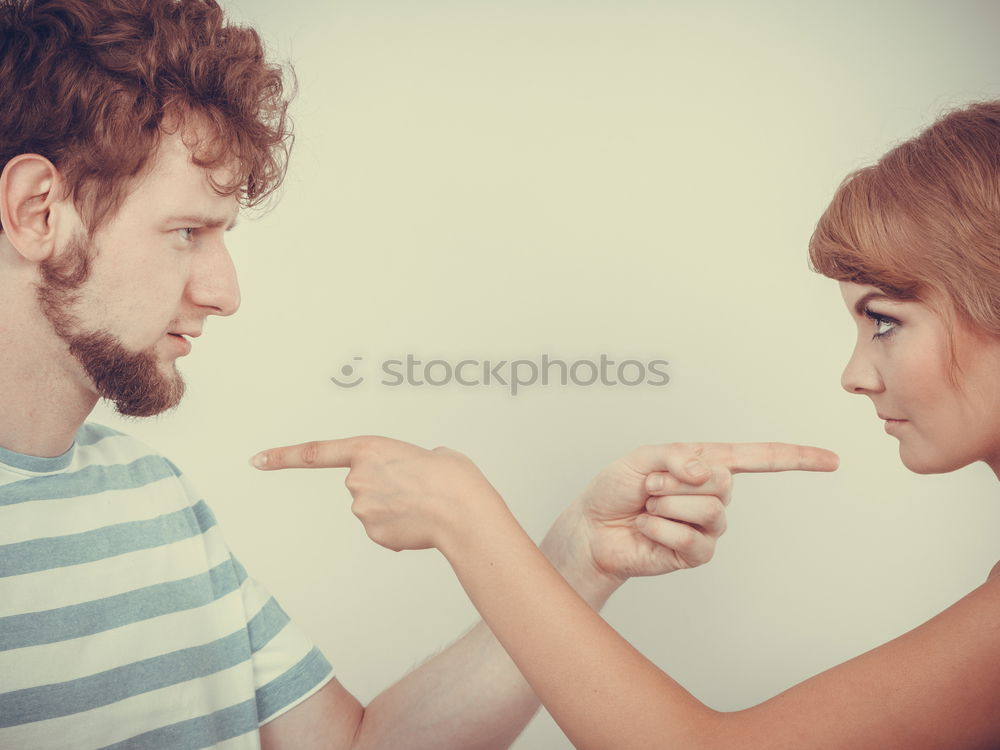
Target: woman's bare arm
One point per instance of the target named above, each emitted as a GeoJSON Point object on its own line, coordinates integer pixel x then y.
{"type": "Point", "coordinates": [935, 687]}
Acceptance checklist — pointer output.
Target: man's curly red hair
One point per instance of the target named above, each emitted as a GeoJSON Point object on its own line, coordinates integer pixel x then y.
{"type": "Point", "coordinates": [91, 84]}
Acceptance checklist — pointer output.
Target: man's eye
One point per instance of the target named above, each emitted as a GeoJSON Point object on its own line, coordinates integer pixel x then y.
{"type": "Point", "coordinates": [187, 233]}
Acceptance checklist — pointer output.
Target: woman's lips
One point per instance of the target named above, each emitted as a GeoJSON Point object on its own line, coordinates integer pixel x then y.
{"type": "Point", "coordinates": [892, 426]}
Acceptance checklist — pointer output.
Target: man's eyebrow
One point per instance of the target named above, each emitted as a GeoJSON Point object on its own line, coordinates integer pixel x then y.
{"type": "Point", "coordinates": [203, 220]}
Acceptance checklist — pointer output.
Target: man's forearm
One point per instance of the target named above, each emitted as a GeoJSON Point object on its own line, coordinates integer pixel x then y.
{"type": "Point", "coordinates": [471, 696]}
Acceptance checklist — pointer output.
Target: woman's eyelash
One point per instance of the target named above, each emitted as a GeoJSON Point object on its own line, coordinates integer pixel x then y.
{"type": "Point", "coordinates": [884, 325]}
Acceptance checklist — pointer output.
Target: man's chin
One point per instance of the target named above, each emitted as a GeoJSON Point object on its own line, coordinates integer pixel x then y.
{"type": "Point", "coordinates": [146, 407]}
{"type": "Point", "coordinates": [133, 382]}
{"type": "Point", "coordinates": [147, 396]}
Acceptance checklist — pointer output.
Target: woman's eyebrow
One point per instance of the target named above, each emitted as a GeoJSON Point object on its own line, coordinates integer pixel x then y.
{"type": "Point", "coordinates": [862, 303]}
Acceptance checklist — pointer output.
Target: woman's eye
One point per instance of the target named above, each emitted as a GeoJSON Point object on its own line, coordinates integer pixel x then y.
{"type": "Point", "coordinates": [883, 326]}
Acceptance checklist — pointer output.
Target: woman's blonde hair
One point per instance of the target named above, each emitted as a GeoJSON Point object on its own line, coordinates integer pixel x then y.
{"type": "Point", "coordinates": [923, 223]}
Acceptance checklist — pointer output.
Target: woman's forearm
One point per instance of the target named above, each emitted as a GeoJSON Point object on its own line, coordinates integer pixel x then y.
{"type": "Point", "coordinates": [599, 689]}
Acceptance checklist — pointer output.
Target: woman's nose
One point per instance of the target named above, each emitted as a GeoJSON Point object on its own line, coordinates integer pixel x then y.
{"type": "Point", "coordinates": [860, 375]}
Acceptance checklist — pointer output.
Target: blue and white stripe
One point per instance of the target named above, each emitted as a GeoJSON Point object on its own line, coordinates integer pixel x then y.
{"type": "Point", "coordinates": [124, 619]}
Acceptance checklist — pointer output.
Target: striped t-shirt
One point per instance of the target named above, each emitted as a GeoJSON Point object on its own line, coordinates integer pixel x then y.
{"type": "Point", "coordinates": [124, 620]}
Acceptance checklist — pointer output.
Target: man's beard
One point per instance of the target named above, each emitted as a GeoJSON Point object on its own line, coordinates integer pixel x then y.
{"type": "Point", "coordinates": [132, 381]}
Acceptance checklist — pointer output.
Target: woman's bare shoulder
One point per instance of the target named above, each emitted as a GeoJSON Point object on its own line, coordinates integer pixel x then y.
{"type": "Point", "coordinates": [933, 687]}
{"type": "Point", "coordinates": [994, 573]}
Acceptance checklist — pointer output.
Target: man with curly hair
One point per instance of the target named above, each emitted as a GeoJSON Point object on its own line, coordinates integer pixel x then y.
{"type": "Point", "coordinates": [131, 133]}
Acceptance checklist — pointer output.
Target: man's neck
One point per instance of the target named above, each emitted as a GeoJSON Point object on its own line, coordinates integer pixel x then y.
{"type": "Point", "coordinates": [34, 423]}
{"type": "Point", "coordinates": [44, 401]}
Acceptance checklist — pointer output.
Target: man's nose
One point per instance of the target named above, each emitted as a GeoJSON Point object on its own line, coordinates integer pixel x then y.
{"type": "Point", "coordinates": [213, 282]}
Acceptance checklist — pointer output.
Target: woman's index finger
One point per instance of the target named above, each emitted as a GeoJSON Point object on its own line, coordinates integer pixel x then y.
{"type": "Point", "coordinates": [767, 457]}
{"type": "Point", "coordinates": [316, 454]}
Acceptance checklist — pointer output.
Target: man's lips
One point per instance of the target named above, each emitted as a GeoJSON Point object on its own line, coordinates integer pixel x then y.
{"type": "Point", "coordinates": [181, 338]}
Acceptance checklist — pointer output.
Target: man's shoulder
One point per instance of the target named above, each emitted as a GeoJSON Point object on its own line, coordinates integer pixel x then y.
{"type": "Point", "coordinates": [92, 432]}
{"type": "Point", "coordinates": [98, 443]}
{"type": "Point", "coordinates": [108, 460]}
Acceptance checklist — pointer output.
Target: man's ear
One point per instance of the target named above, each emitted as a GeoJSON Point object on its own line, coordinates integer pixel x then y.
{"type": "Point", "coordinates": [30, 188]}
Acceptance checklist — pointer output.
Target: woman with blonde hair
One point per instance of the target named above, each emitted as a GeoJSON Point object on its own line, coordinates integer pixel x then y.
{"type": "Point", "coordinates": [914, 241]}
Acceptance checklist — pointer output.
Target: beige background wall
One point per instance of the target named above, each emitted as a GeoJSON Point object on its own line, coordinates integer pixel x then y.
{"type": "Point", "coordinates": [502, 180]}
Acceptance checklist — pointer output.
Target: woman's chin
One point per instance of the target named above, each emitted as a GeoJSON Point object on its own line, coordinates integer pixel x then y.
{"type": "Point", "coordinates": [919, 462]}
